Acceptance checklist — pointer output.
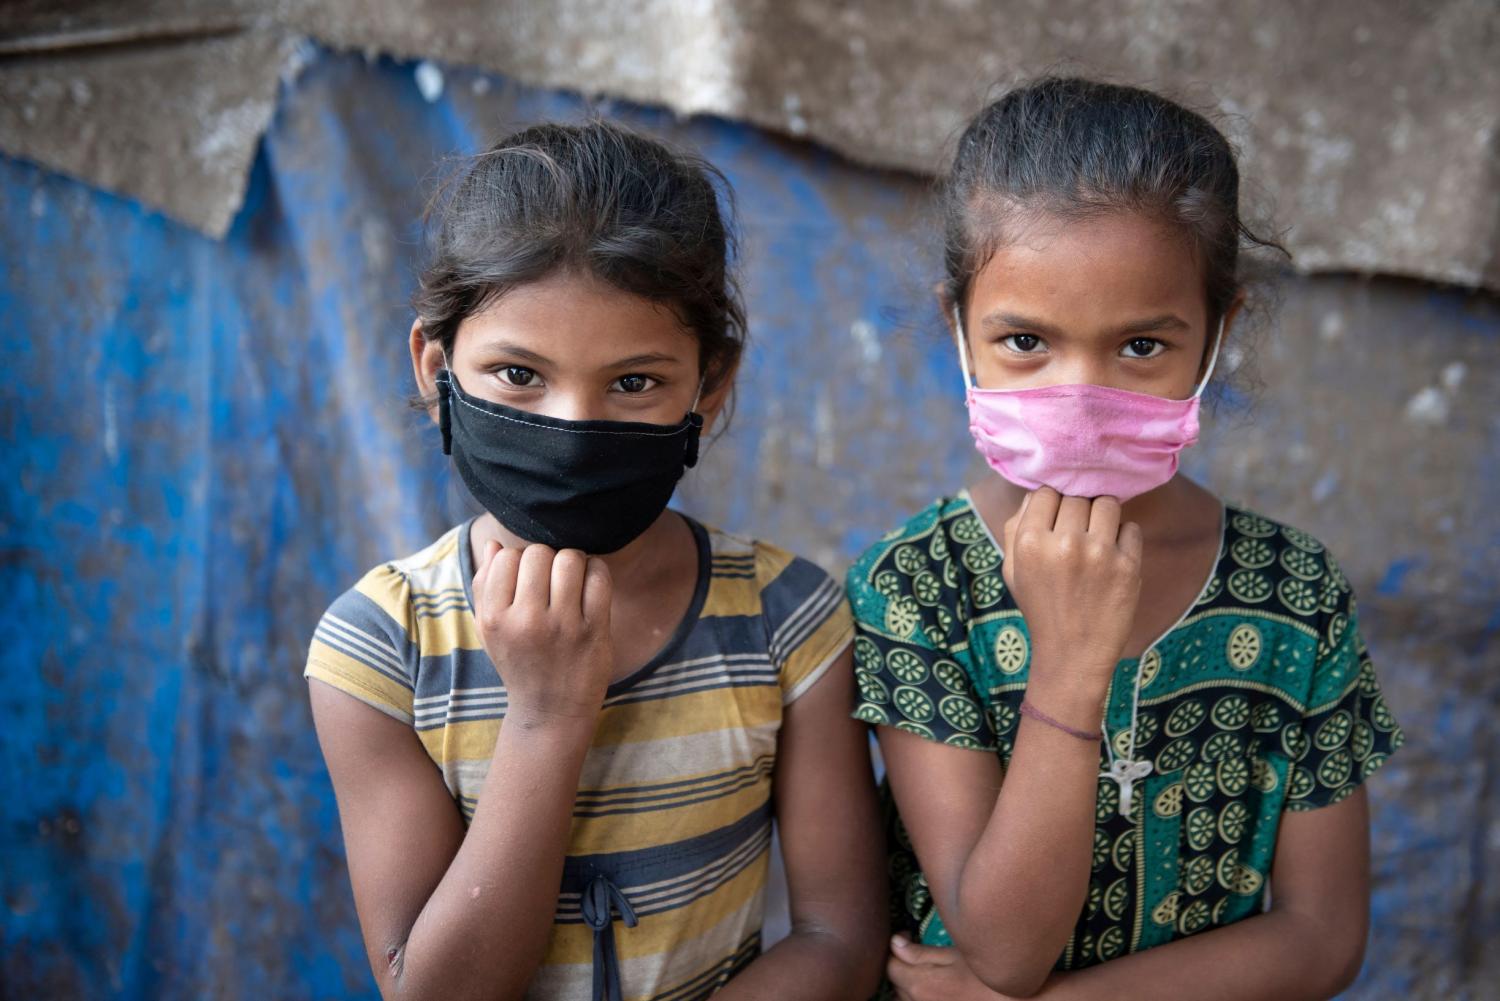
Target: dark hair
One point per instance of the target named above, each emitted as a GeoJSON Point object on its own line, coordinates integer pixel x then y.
{"type": "Point", "coordinates": [599, 198]}
{"type": "Point", "coordinates": [1073, 148]}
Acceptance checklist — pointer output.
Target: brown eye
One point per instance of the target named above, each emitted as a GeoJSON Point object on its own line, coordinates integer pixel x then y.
{"type": "Point", "coordinates": [516, 375]}
{"type": "Point", "coordinates": [1023, 343]}
{"type": "Point", "coordinates": [634, 383]}
{"type": "Point", "coordinates": [1144, 347]}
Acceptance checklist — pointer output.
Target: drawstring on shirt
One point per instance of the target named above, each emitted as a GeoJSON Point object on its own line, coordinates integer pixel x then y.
{"type": "Point", "coordinates": [601, 898]}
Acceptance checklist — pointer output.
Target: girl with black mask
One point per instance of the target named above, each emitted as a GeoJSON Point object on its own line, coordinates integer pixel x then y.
{"type": "Point", "coordinates": [559, 734]}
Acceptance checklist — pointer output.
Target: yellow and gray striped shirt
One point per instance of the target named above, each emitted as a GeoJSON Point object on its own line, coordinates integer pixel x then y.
{"type": "Point", "coordinates": [666, 863]}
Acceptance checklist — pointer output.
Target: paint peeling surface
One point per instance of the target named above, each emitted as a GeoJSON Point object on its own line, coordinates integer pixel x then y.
{"type": "Point", "coordinates": [206, 442]}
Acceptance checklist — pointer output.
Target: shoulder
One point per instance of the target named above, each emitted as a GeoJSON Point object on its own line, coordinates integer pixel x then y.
{"type": "Point", "coordinates": [769, 571]}
{"type": "Point", "coordinates": [390, 598]}
{"type": "Point", "coordinates": [925, 569]}
{"type": "Point", "coordinates": [1270, 565]}
{"type": "Point", "coordinates": [803, 617]}
{"type": "Point", "coordinates": [923, 540]}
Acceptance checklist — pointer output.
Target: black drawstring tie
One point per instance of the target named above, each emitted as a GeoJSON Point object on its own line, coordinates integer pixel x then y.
{"type": "Point", "coordinates": [600, 900]}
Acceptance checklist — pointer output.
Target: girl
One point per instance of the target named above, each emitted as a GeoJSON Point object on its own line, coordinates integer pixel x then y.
{"type": "Point", "coordinates": [558, 735]}
{"type": "Point", "coordinates": [1118, 716]}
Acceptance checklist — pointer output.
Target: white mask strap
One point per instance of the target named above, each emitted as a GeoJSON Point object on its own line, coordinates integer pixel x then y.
{"type": "Point", "coordinates": [1213, 360]}
{"type": "Point", "coordinates": [963, 348]}
{"type": "Point", "coordinates": [696, 397]}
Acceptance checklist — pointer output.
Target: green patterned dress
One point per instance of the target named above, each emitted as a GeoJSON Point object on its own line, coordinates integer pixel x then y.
{"type": "Point", "coordinates": [1261, 700]}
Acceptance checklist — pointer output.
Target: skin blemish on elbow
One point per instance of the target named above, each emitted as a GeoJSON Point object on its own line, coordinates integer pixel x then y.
{"type": "Point", "coordinates": [474, 893]}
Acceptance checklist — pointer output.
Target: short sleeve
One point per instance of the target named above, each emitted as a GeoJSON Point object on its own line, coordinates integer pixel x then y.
{"type": "Point", "coordinates": [361, 647]}
{"type": "Point", "coordinates": [806, 617]}
{"type": "Point", "coordinates": [1348, 730]}
{"type": "Point", "coordinates": [908, 677]}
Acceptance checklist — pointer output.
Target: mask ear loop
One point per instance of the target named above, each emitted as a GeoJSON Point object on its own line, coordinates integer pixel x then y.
{"type": "Point", "coordinates": [695, 421]}
{"type": "Point", "coordinates": [445, 413]}
{"type": "Point", "coordinates": [963, 348]}
{"type": "Point", "coordinates": [1213, 360]}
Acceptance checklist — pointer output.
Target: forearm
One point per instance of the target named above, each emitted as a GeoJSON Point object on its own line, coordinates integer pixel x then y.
{"type": "Point", "coordinates": [810, 964]}
{"type": "Point", "coordinates": [503, 883]}
{"type": "Point", "coordinates": [1036, 848]}
{"type": "Point", "coordinates": [1279, 954]}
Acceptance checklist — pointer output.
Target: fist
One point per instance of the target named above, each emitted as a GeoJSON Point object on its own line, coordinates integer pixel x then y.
{"type": "Point", "coordinates": [543, 616]}
{"type": "Point", "coordinates": [1075, 573]}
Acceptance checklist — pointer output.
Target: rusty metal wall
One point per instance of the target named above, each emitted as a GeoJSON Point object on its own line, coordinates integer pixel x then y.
{"type": "Point", "coordinates": [206, 442]}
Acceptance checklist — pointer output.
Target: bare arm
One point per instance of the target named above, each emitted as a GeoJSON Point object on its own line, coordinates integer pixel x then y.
{"type": "Point", "coordinates": [431, 898]}
{"type": "Point", "coordinates": [1309, 945]}
{"type": "Point", "coordinates": [831, 840]}
{"type": "Point", "coordinates": [984, 844]}
{"type": "Point", "coordinates": [1031, 833]}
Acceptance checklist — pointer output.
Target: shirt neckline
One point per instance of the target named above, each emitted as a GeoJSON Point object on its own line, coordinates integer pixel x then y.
{"type": "Point", "coordinates": [679, 636]}
{"type": "Point", "coordinates": [1213, 570]}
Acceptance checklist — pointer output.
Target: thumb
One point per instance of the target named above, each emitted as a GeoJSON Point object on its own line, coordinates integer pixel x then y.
{"type": "Point", "coordinates": [919, 955]}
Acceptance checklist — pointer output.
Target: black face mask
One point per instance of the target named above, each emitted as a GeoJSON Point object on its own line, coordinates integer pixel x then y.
{"type": "Point", "coordinates": [589, 485]}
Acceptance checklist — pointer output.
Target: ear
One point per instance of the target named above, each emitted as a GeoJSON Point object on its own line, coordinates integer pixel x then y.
{"type": "Point", "coordinates": [426, 360]}
{"type": "Point", "coordinates": [945, 308]}
{"type": "Point", "coordinates": [712, 402]}
{"type": "Point", "coordinates": [1225, 331]}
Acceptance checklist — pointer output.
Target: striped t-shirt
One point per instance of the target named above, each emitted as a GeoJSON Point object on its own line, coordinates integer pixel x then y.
{"type": "Point", "coordinates": [672, 821]}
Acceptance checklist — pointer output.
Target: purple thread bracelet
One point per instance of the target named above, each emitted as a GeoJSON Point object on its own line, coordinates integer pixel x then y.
{"type": "Point", "coordinates": [1027, 709]}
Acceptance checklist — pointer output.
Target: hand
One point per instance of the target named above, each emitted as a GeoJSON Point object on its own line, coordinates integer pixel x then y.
{"type": "Point", "coordinates": [1075, 572]}
{"type": "Point", "coordinates": [543, 616]}
{"type": "Point", "coordinates": [930, 973]}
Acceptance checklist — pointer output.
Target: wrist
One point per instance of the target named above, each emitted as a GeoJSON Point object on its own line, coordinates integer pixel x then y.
{"type": "Point", "coordinates": [1077, 705]}
{"type": "Point", "coordinates": [553, 717]}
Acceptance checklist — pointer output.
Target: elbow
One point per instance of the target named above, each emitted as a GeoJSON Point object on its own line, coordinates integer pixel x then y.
{"type": "Point", "coordinates": [857, 952]}
{"type": "Point", "coordinates": [1008, 979]}
{"type": "Point", "coordinates": [1336, 950]}
{"type": "Point", "coordinates": [1345, 961]}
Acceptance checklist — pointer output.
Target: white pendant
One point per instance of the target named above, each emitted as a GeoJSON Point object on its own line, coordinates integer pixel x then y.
{"type": "Point", "coordinates": [1126, 774]}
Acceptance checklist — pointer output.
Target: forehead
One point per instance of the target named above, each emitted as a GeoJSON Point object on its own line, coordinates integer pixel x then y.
{"type": "Point", "coordinates": [1092, 270]}
{"type": "Point", "coordinates": [578, 320]}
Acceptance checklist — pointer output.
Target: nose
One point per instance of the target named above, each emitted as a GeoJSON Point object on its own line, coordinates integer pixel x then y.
{"type": "Point", "coordinates": [572, 405]}
{"type": "Point", "coordinates": [1078, 371]}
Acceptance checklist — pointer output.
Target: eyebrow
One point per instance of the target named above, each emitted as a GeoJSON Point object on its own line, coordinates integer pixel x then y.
{"type": "Point", "coordinates": [655, 358]}
{"type": "Point", "coordinates": [523, 354]}
{"type": "Point", "coordinates": [1148, 325]}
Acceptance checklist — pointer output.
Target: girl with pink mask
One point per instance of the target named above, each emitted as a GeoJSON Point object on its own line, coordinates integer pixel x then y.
{"type": "Point", "coordinates": [1125, 725]}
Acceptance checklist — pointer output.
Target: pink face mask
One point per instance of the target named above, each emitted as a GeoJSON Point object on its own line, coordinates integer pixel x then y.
{"type": "Point", "coordinates": [1082, 441]}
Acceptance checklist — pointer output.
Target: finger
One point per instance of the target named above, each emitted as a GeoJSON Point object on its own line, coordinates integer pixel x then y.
{"type": "Point", "coordinates": [1041, 509]}
{"type": "Point", "coordinates": [922, 955]}
{"type": "Point", "coordinates": [901, 975]}
{"type": "Point", "coordinates": [598, 593]}
{"type": "Point", "coordinates": [1104, 518]}
{"type": "Point", "coordinates": [498, 588]}
{"type": "Point", "coordinates": [1072, 516]}
{"type": "Point", "coordinates": [1131, 542]}
{"type": "Point", "coordinates": [534, 579]}
{"type": "Point", "coordinates": [567, 581]}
